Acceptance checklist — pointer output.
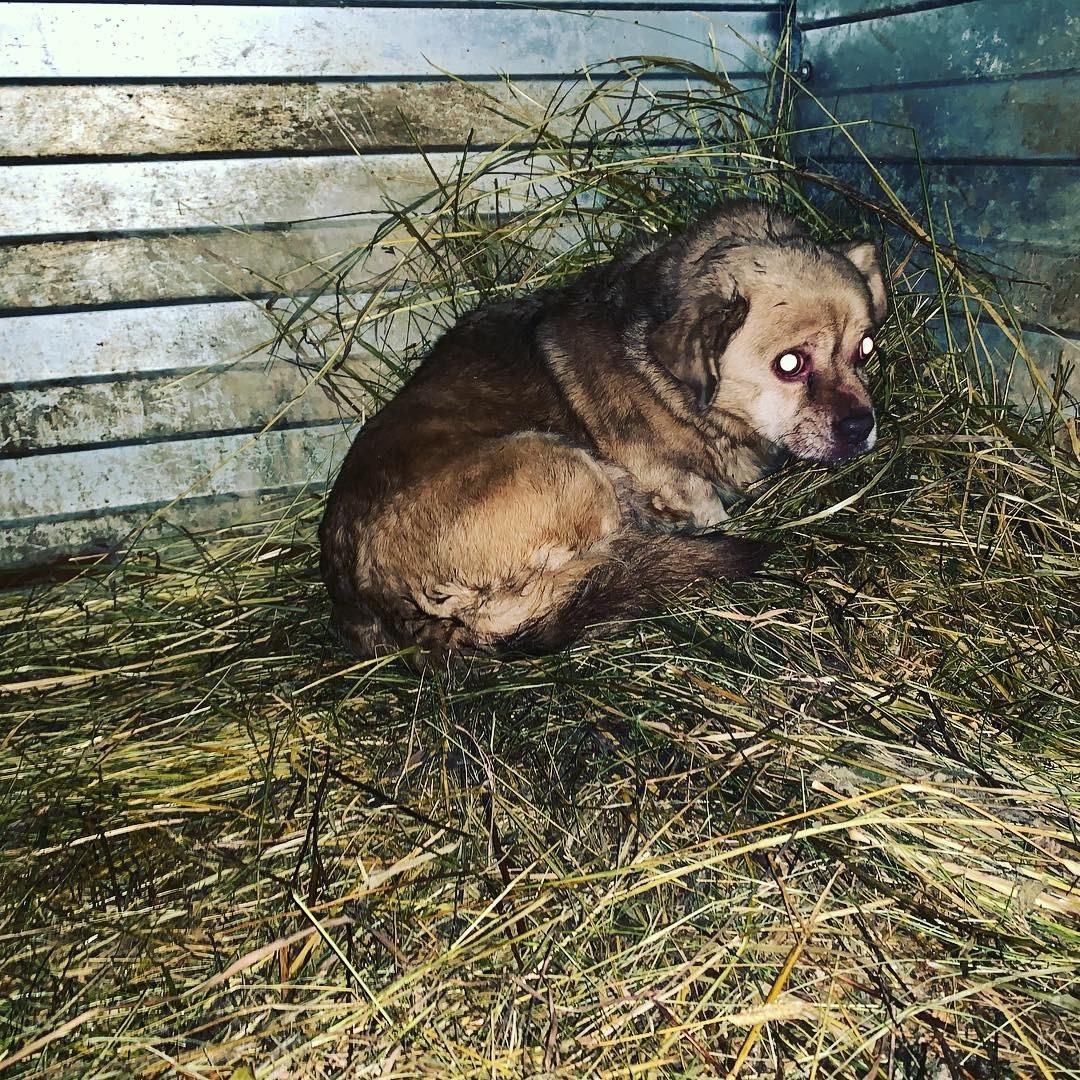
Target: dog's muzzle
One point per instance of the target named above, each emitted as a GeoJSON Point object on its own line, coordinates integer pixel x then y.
{"type": "Point", "coordinates": [853, 430]}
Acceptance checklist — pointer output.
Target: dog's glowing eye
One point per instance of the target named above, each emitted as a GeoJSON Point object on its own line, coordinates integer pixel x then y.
{"type": "Point", "coordinates": [790, 363]}
{"type": "Point", "coordinates": [866, 347]}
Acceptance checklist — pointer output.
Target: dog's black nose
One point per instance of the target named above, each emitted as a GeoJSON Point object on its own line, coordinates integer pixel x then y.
{"type": "Point", "coordinates": [855, 428]}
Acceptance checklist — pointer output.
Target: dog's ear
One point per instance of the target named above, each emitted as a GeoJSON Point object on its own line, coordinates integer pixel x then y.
{"type": "Point", "coordinates": [863, 254]}
{"type": "Point", "coordinates": [690, 343]}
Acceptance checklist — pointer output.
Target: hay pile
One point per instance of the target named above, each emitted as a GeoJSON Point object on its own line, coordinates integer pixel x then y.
{"type": "Point", "coordinates": [823, 823]}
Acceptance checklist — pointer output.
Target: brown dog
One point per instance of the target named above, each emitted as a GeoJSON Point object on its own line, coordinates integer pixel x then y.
{"type": "Point", "coordinates": [556, 460]}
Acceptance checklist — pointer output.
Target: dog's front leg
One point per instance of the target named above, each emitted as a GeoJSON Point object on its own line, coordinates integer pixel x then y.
{"type": "Point", "coordinates": [684, 502]}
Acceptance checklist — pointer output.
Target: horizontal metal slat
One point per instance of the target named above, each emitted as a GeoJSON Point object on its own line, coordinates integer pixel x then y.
{"type": "Point", "coordinates": [173, 119]}
{"type": "Point", "coordinates": [155, 195]}
{"type": "Point", "coordinates": [176, 339]}
{"type": "Point", "coordinates": [29, 544]}
{"type": "Point", "coordinates": [90, 378]}
{"type": "Point", "coordinates": [1048, 353]}
{"type": "Point", "coordinates": [1043, 283]}
{"type": "Point", "coordinates": [85, 482]}
{"type": "Point", "coordinates": [152, 269]}
{"type": "Point", "coordinates": [81, 41]}
{"type": "Point", "coordinates": [244, 398]}
{"type": "Point", "coordinates": [135, 341]}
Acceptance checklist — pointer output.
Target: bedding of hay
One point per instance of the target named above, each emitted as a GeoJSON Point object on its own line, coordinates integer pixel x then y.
{"type": "Point", "coordinates": [823, 823]}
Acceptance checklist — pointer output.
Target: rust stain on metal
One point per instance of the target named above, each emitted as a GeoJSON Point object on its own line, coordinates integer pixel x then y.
{"type": "Point", "coordinates": [1047, 123]}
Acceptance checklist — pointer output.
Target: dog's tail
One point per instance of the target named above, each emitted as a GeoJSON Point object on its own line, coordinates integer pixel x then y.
{"type": "Point", "coordinates": [632, 582]}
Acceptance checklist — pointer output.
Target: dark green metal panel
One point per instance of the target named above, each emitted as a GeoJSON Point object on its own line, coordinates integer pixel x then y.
{"type": "Point", "coordinates": [985, 93]}
{"type": "Point", "coordinates": [824, 12]}
{"type": "Point", "coordinates": [992, 39]}
{"type": "Point", "coordinates": [1030, 120]}
{"type": "Point", "coordinates": [1024, 204]}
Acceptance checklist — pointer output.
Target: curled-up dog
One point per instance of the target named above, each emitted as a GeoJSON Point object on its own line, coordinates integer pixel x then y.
{"type": "Point", "coordinates": [561, 460]}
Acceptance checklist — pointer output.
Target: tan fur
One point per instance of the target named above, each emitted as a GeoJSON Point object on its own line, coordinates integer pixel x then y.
{"type": "Point", "coordinates": [555, 459]}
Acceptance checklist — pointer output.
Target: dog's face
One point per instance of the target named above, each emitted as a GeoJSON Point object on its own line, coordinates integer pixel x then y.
{"type": "Point", "coordinates": [778, 337]}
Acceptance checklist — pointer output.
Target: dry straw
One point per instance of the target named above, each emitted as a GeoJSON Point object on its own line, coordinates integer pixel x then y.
{"type": "Point", "coordinates": [818, 824]}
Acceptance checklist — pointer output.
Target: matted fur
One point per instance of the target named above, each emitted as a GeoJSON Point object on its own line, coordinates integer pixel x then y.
{"type": "Point", "coordinates": [561, 459]}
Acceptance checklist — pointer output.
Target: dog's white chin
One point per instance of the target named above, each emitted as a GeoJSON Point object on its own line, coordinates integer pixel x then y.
{"type": "Point", "coordinates": [829, 451]}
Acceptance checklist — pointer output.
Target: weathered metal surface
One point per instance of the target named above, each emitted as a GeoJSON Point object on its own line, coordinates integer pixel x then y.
{"type": "Point", "coordinates": [82, 492]}
{"type": "Point", "coordinates": [147, 382]}
{"type": "Point", "coordinates": [82, 482]}
{"type": "Point", "coordinates": [40, 348]}
{"type": "Point", "coordinates": [1018, 204]}
{"type": "Point", "coordinates": [245, 398]}
{"type": "Point", "coordinates": [815, 12]}
{"type": "Point", "coordinates": [179, 338]}
{"type": "Point", "coordinates": [40, 541]}
{"type": "Point", "coordinates": [1050, 354]}
{"type": "Point", "coordinates": [222, 263]}
{"type": "Point", "coordinates": [163, 195]}
{"type": "Point", "coordinates": [1025, 120]}
{"type": "Point", "coordinates": [122, 119]}
{"type": "Point", "coordinates": [218, 263]}
{"type": "Point", "coordinates": [213, 41]}
{"type": "Point", "coordinates": [989, 39]}
{"type": "Point", "coordinates": [156, 195]}
{"type": "Point", "coordinates": [1044, 284]}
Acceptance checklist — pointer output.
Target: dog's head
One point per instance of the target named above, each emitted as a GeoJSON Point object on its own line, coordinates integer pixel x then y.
{"type": "Point", "coordinates": [776, 334]}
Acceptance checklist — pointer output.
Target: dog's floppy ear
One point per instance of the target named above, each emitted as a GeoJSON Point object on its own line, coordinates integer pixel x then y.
{"type": "Point", "coordinates": [690, 343]}
{"type": "Point", "coordinates": [863, 254]}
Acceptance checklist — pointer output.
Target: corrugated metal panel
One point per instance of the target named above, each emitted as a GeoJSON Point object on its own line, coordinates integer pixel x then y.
{"type": "Point", "coordinates": [157, 157]}
{"type": "Point", "coordinates": [985, 92]}
{"type": "Point", "coordinates": [954, 42]}
{"type": "Point", "coordinates": [229, 248]}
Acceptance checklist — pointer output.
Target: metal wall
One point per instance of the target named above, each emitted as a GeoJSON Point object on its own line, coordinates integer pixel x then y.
{"type": "Point", "coordinates": [163, 165]}
{"type": "Point", "coordinates": [989, 89]}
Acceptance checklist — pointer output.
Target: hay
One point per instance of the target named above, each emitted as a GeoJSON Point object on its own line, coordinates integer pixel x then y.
{"type": "Point", "coordinates": [822, 823]}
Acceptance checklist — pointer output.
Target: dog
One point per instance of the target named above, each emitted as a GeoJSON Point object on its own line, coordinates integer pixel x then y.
{"type": "Point", "coordinates": [562, 460]}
